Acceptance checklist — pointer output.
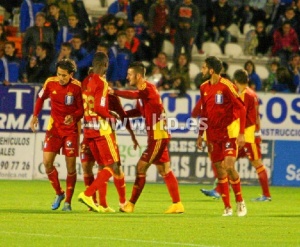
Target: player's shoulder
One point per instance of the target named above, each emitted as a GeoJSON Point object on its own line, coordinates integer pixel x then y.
{"type": "Point", "coordinates": [204, 84]}
{"type": "Point", "coordinates": [228, 84]}
{"type": "Point", "coordinates": [76, 82]}
{"type": "Point", "coordinates": [51, 79]}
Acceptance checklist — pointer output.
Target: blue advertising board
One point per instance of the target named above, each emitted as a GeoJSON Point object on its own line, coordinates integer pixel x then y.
{"type": "Point", "coordinates": [16, 107]}
{"type": "Point", "coordinates": [287, 163]}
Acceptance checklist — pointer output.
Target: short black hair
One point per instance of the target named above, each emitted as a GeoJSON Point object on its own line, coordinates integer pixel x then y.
{"type": "Point", "coordinates": [241, 76]}
{"type": "Point", "coordinates": [100, 59]}
{"type": "Point", "coordinates": [214, 63]}
{"type": "Point", "coordinates": [138, 67]}
{"type": "Point", "coordinates": [67, 64]}
{"type": "Point", "coordinates": [66, 44]}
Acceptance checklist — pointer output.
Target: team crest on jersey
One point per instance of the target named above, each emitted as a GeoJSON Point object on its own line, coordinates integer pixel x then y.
{"type": "Point", "coordinates": [69, 144]}
{"type": "Point", "coordinates": [245, 149]}
{"type": "Point", "coordinates": [219, 98]}
{"type": "Point", "coordinates": [227, 145]}
{"type": "Point", "coordinates": [69, 99]}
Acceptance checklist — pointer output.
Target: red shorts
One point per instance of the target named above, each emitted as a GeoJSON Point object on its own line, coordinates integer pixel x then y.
{"type": "Point", "coordinates": [85, 152]}
{"type": "Point", "coordinates": [156, 152]}
{"type": "Point", "coordinates": [219, 150]}
{"type": "Point", "coordinates": [69, 144]}
{"type": "Point", "coordinates": [104, 149]}
{"type": "Point", "coordinates": [250, 150]}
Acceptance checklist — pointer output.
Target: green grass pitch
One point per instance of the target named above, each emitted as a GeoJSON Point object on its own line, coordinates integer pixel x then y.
{"type": "Point", "coordinates": [27, 220]}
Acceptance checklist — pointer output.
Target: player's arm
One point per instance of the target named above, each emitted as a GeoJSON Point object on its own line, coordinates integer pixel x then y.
{"type": "Point", "coordinates": [196, 112]}
{"type": "Point", "coordinates": [257, 130]}
{"type": "Point", "coordinates": [239, 107]}
{"type": "Point", "coordinates": [101, 106]}
{"type": "Point", "coordinates": [78, 114]}
{"type": "Point", "coordinates": [43, 94]}
{"type": "Point", "coordinates": [127, 94]}
{"type": "Point", "coordinates": [251, 111]}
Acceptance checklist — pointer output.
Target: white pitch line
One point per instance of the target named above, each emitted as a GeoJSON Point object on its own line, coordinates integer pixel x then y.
{"type": "Point", "coordinates": [99, 238]}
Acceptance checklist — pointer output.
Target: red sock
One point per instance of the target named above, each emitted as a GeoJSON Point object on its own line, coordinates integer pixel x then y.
{"type": "Point", "coordinates": [138, 187]}
{"type": "Point", "coordinates": [224, 191]}
{"type": "Point", "coordinates": [71, 181]}
{"type": "Point", "coordinates": [172, 186]}
{"type": "Point", "coordinates": [53, 178]}
{"type": "Point", "coordinates": [101, 181]}
{"type": "Point", "coordinates": [263, 180]}
{"type": "Point", "coordinates": [236, 187]}
{"type": "Point", "coordinates": [88, 180]}
{"type": "Point", "coordinates": [120, 185]}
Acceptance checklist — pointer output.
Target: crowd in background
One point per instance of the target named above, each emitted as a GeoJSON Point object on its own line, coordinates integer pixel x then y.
{"type": "Point", "coordinates": [51, 30]}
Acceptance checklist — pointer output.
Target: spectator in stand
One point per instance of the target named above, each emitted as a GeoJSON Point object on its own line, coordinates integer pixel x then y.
{"type": "Point", "coordinates": [79, 53]}
{"type": "Point", "coordinates": [65, 52]}
{"type": "Point", "coordinates": [177, 84]}
{"type": "Point", "coordinates": [36, 34]}
{"type": "Point", "coordinates": [186, 20]}
{"type": "Point", "coordinates": [28, 11]}
{"type": "Point", "coordinates": [140, 26]}
{"type": "Point", "coordinates": [285, 42]}
{"type": "Point", "coordinates": [257, 41]}
{"type": "Point", "coordinates": [243, 15]}
{"type": "Point", "coordinates": [258, 10]}
{"type": "Point", "coordinates": [110, 36]}
{"type": "Point", "coordinates": [43, 61]}
{"type": "Point", "coordinates": [99, 26]}
{"type": "Point", "coordinates": [220, 19]}
{"type": "Point", "coordinates": [141, 6]}
{"type": "Point", "coordinates": [3, 34]}
{"type": "Point", "coordinates": [181, 68]}
{"type": "Point", "coordinates": [119, 60]}
{"type": "Point", "coordinates": [122, 21]}
{"type": "Point", "coordinates": [289, 16]}
{"type": "Point", "coordinates": [66, 6]}
{"type": "Point", "coordinates": [278, 9]}
{"type": "Point", "coordinates": [57, 18]}
{"type": "Point", "coordinates": [283, 81]}
{"type": "Point", "coordinates": [267, 85]}
{"type": "Point", "coordinates": [31, 69]}
{"type": "Point", "coordinates": [9, 65]}
{"type": "Point", "coordinates": [120, 6]}
{"type": "Point", "coordinates": [254, 80]}
{"type": "Point", "coordinates": [161, 61]}
{"type": "Point", "coordinates": [297, 9]}
{"type": "Point", "coordinates": [294, 69]}
{"type": "Point", "coordinates": [204, 6]}
{"type": "Point", "coordinates": [67, 32]}
{"type": "Point", "coordinates": [80, 11]}
{"type": "Point", "coordinates": [133, 44]}
{"type": "Point", "coordinates": [159, 22]}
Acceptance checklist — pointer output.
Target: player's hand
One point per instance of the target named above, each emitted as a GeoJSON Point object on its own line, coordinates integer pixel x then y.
{"type": "Point", "coordinates": [116, 115]}
{"type": "Point", "coordinates": [241, 140]}
{"type": "Point", "coordinates": [68, 120]}
{"type": "Point", "coordinates": [135, 143]}
{"type": "Point", "coordinates": [33, 124]}
{"type": "Point", "coordinates": [199, 143]}
{"type": "Point", "coordinates": [110, 90]}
